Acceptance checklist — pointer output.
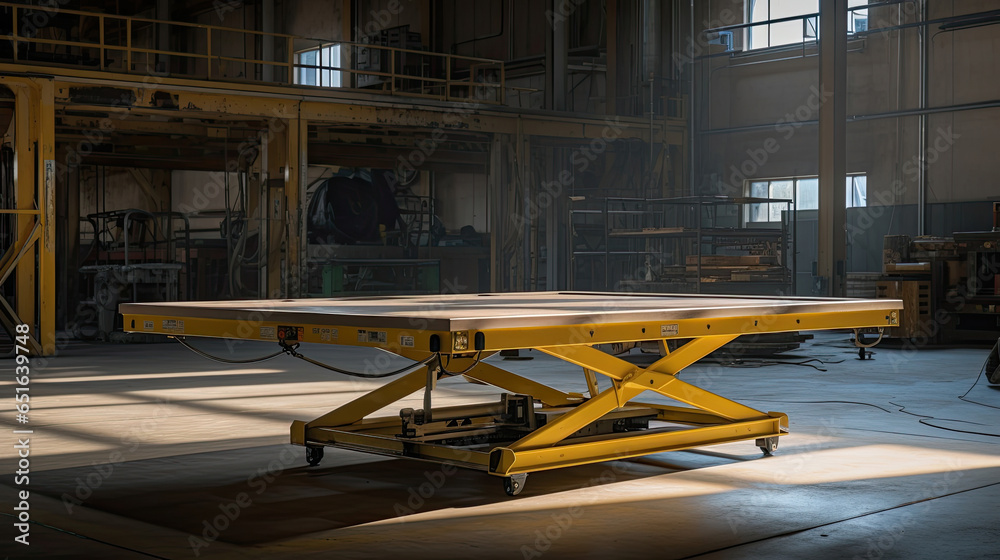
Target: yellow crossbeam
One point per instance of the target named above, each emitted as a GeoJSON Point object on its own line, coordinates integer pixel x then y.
{"type": "Point", "coordinates": [630, 381]}
{"type": "Point", "coordinates": [488, 373]}
{"type": "Point", "coordinates": [505, 461]}
{"type": "Point", "coordinates": [617, 368]}
{"type": "Point", "coordinates": [368, 403]}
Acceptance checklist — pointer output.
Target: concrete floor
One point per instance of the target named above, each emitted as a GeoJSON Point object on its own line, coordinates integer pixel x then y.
{"type": "Point", "coordinates": [148, 451]}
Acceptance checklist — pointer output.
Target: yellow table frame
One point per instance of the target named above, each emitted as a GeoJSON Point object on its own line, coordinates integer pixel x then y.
{"type": "Point", "coordinates": [711, 419]}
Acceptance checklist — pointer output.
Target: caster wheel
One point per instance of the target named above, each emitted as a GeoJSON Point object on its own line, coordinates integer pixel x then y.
{"type": "Point", "coordinates": [767, 445]}
{"type": "Point", "coordinates": [514, 483]}
{"type": "Point", "coordinates": [314, 455]}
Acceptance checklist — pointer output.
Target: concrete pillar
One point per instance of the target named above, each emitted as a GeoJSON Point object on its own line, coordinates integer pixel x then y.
{"type": "Point", "coordinates": [832, 251]}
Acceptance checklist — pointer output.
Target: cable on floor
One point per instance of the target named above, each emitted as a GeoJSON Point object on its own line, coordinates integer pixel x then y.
{"type": "Point", "coordinates": [752, 363]}
{"type": "Point", "coordinates": [978, 378]}
{"type": "Point", "coordinates": [923, 418]}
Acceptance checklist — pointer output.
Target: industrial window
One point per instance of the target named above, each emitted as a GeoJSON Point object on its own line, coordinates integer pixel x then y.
{"type": "Point", "coordinates": [857, 191]}
{"type": "Point", "coordinates": [795, 31]}
{"type": "Point", "coordinates": [770, 211]}
{"type": "Point", "coordinates": [806, 195]}
{"type": "Point", "coordinates": [318, 67]}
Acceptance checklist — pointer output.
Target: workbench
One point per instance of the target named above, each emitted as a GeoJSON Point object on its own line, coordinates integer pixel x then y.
{"type": "Point", "coordinates": [533, 426]}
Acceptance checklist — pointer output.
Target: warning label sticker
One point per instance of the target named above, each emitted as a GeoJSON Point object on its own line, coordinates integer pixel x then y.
{"type": "Point", "coordinates": [326, 335]}
{"type": "Point", "coordinates": [173, 325]}
{"type": "Point", "coordinates": [267, 332]}
{"type": "Point", "coordinates": [372, 336]}
{"type": "Point", "coordinates": [406, 341]}
{"type": "Point", "coordinates": [668, 330]}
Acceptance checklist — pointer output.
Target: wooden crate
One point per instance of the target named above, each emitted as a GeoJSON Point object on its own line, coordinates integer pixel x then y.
{"type": "Point", "coordinates": [895, 249]}
{"type": "Point", "coordinates": [862, 284]}
{"type": "Point", "coordinates": [916, 316]}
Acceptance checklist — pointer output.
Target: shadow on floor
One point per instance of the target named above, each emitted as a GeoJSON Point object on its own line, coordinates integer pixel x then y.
{"type": "Point", "coordinates": [271, 483]}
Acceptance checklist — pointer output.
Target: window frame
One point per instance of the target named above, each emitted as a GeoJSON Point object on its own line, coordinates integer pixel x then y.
{"type": "Point", "coordinates": [809, 20]}
{"type": "Point", "coordinates": [850, 199]}
{"type": "Point", "coordinates": [325, 70]}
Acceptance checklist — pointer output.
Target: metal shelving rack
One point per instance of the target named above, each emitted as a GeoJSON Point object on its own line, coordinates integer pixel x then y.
{"type": "Point", "coordinates": [645, 244]}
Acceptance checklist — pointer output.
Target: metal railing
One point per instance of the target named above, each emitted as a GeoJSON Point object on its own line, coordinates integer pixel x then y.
{"type": "Point", "coordinates": [53, 36]}
{"type": "Point", "coordinates": [857, 23]}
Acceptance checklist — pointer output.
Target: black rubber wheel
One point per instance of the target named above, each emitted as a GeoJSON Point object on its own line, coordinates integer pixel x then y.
{"type": "Point", "coordinates": [513, 484]}
{"type": "Point", "coordinates": [314, 455]}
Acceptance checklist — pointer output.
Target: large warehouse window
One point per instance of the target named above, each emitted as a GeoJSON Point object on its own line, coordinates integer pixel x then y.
{"type": "Point", "coordinates": [794, 31]}
{"type": "Point", "coordinates": [806, 190]}
{"type": "Point", "coordinates": [315, 67]}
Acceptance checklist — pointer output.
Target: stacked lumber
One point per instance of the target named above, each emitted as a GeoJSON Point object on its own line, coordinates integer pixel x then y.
{"type": "Point", "coordinates": [736, 268]}
{"type": "Point", "coordinates": [771, 274]}
{"type": "Point", "coordinates": [929, 248]}
{"type": "Point", "coordinates": [731, 260]}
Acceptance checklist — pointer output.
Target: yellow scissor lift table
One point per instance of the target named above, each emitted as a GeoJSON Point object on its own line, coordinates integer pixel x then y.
{"type": "Point", "coordinates": [534, 426]}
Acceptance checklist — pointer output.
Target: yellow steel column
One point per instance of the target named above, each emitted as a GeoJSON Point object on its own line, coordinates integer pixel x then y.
{"type": "Point", "coordinates": [25, 123]}
{"type": "Point", "coordinates": [33, 253]}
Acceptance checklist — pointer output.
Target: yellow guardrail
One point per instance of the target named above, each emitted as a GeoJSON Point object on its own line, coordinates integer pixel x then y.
{"type": "Point", "coordinates": [54, 36]}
